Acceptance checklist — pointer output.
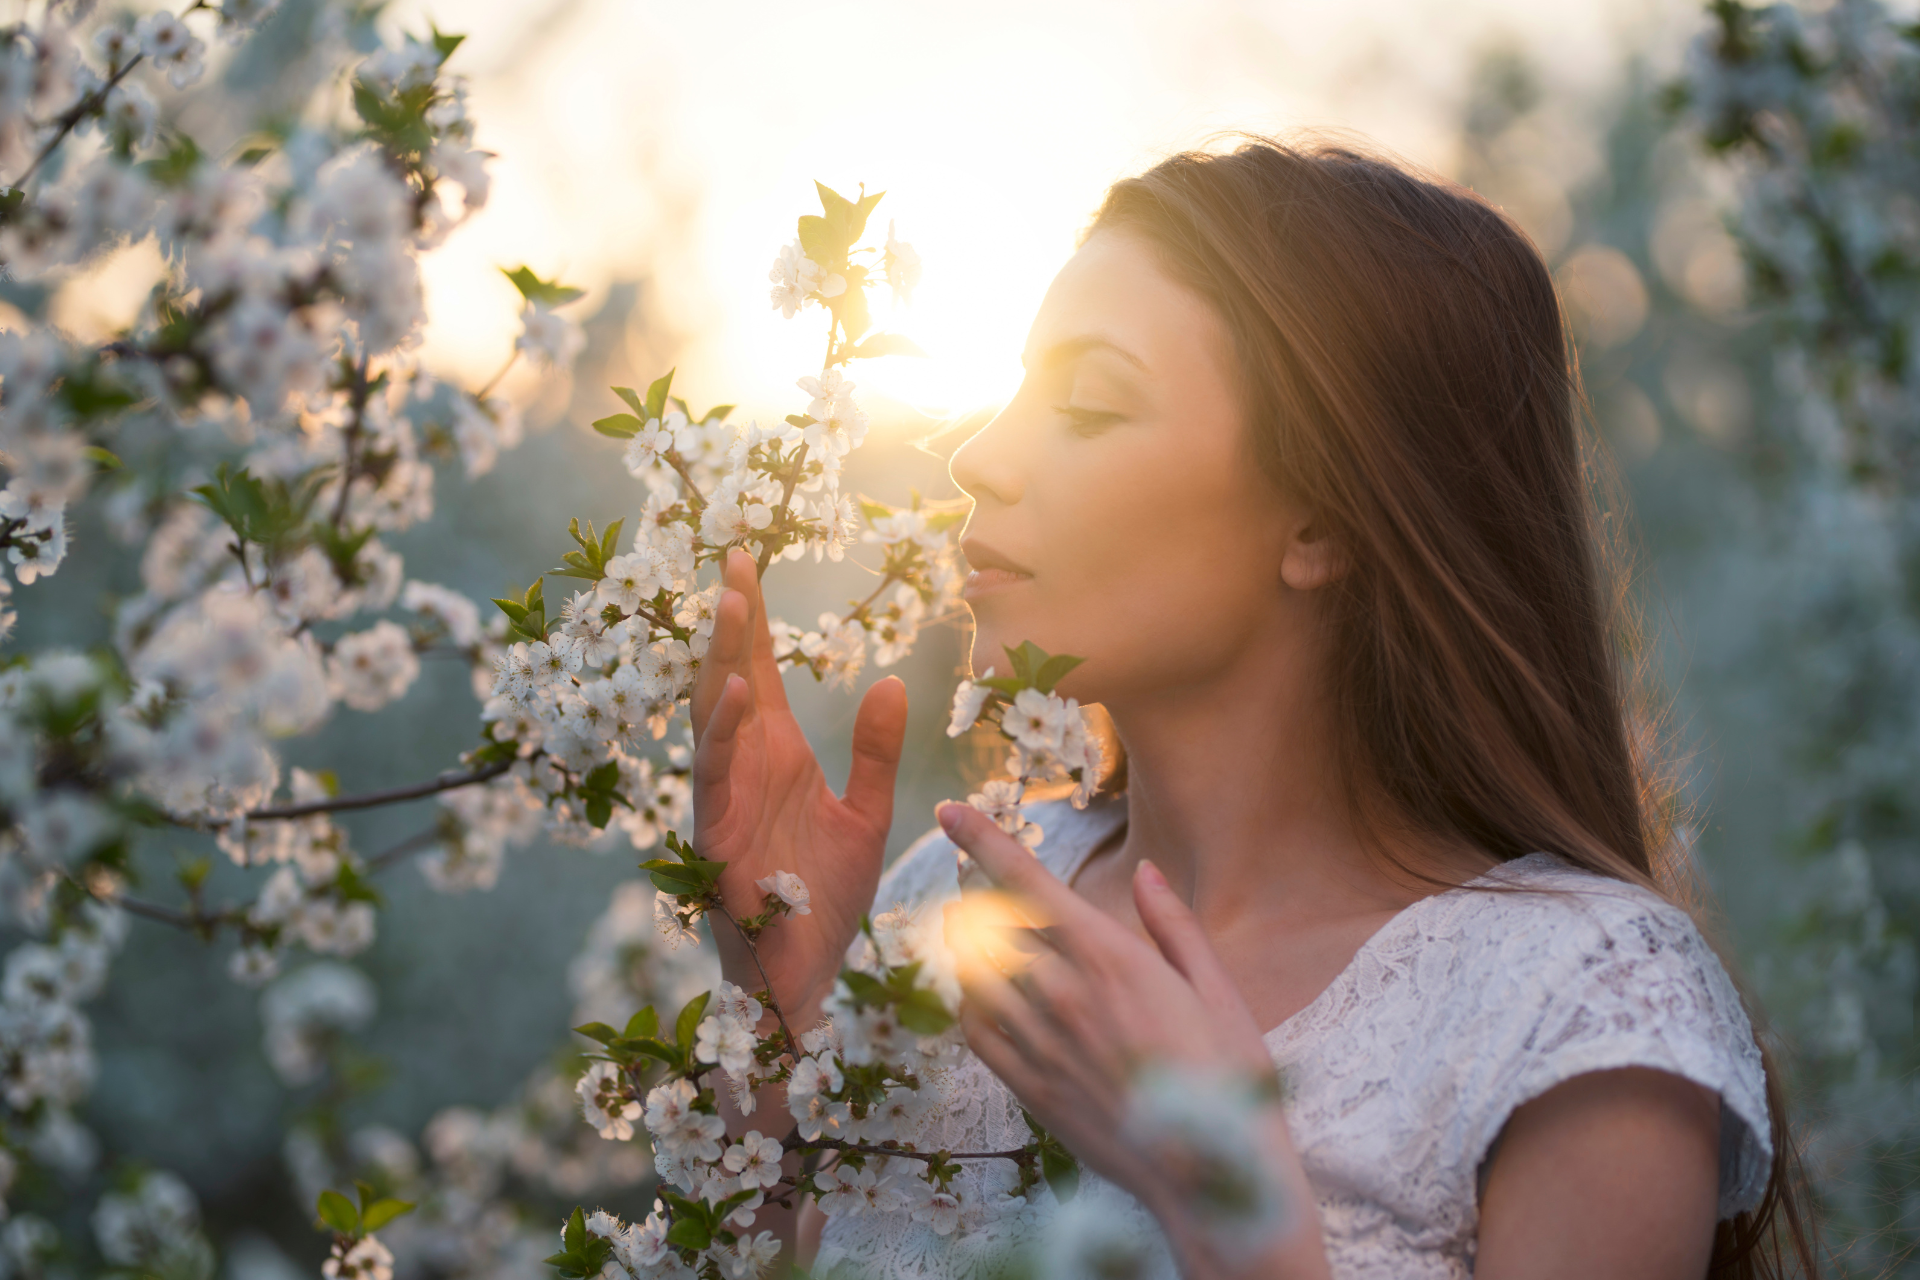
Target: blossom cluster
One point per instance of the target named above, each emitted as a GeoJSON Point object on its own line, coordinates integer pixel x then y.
{"type": "Point", "coordinates": [581, 694]}
{"type": "Point", "coordinates": [1817, 112]}
{"type": "Point", "coordinates": [867, 1085]}
{"type": "Point", "coordinates": [1048, 737]}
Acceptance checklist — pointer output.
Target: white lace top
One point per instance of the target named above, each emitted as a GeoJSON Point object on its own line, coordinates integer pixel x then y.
{"type": "Point", "coordinates": [1399, 1076]}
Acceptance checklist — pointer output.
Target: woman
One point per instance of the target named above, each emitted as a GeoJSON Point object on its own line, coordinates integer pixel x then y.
{"type": "Point", "coordinates": [1295, 469]}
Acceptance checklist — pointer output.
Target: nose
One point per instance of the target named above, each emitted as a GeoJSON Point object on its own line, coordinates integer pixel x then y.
{"type": "Point", "coordinates": [986, 467]}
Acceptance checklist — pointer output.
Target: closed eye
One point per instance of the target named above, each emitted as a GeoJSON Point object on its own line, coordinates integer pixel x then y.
{"type": "Point", "coordinates": [1086, 421]}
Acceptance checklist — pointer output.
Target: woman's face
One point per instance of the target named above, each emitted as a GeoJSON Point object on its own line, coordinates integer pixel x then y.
{"type": "Point", "coordinates": [1118, 514]}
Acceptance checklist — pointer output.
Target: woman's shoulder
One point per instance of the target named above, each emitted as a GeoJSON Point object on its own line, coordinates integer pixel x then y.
{"type": "Point", "coordinates": [1573, 971]}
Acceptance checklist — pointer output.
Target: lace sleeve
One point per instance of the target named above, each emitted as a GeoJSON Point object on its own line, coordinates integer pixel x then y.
{"type": "Point", "coordinates": [1630, 982]}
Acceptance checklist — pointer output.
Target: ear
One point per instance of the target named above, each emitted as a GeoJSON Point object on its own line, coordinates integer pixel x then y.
{"type": "Point", "coordinates": [1313, 558]}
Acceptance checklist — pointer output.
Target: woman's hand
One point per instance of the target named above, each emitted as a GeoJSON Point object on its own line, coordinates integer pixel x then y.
{"type": "Point", "coordinates": [761, 803]}
{"type": "Point", "coordinates": [1070, 1027]}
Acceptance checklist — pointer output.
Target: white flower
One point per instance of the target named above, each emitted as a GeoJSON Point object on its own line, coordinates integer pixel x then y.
{"type": "Point", "coordinates": [549, 337]}
{"type": "Point", "coordinates": [1204, 1121]}
{"type": "Point", "coordinates": [647, 449]}
{"type": "Point", "coordinates": [734, 520]}
{"type": "Point", "coordinates": [734, 1002]}
{"type": "Point", "coordinates": [750, 1258]}
{"type": "Point", "coordinates": [365, 1259]}
{"type": "Point", "coordinates": [838, 424]}
{"type": "Point", "coordinates": [968, 700]}
{"type": "Point", "coordinates": [457, 615]}
{"type": "Point", "coordinates": [668, 1105]}
{"type": "Point", "coordinates": [130, 114]}
{"type": "Point", "coordinates": [607, 1101]}
{"type": "Point", "coordinates": [755, 1160]}
{"type": "Point", "coordinates": [1000, 800]}
{"type": "Point", "coordinates": [554, 659]}
{"type": "Point", "coordinates": [938, 1207]}
{"type": "Point", "coordinates": [631, 579]}
{"type": "Point", "coordinates": [369, 669]}
{"type": "Point", "coordinates": [41, 557]}
{"type": "Point", "coordinates": [644, 1245]}
{"type": "Point", "coordinates": [901, 264]}
{"type": "Point", "coordinates": [789, 888]}
{"type": "Point", "coordinates": [170, 47]}
{"type": "Point", "coordinates": [725, 1041]}
{"type": "Point", "coordinates": [667, 920]}
{"type": "Point", "coordinates": [798, 279]}
{"type": "Point", "coordinates": [845, 1189]}
{"type": "Point", "coordinates": [1037, 721]}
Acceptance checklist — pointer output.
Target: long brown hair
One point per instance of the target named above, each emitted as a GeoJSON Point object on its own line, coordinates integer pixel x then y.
{"type": "Point", "coordinates": [1407, 372]}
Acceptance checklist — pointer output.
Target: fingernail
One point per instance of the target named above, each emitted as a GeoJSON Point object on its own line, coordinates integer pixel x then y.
{"type": "Point", "coordinates": [949, 814]}
{"type": "Point", "coordinates": [1151, 874]}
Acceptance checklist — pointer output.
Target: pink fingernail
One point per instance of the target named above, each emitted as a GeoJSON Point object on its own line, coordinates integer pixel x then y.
{"type": "Point", "coordinates": [949, 815]}
{"type": "Point", "coordinates": [1152, 874]}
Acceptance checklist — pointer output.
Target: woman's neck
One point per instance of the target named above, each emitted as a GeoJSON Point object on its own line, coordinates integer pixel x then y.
{"type": "Point", "coordinates": [1233, 792]}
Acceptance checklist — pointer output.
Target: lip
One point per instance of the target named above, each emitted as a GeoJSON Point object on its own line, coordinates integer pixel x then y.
{"type": "Point", "coordinates": [992, 571]}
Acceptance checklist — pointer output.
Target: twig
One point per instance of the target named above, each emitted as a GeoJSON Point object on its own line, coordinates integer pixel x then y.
{"type": "Point", "coordinates": [77, 112]}
{"type": "Point", "coordinates": [773, 1003]}
{"type": "Point", "coordinates": [1019, 1154]}
{"type": "Point", "coordinates": [412, 844]}
{"type": "Point", "coordinates": [786, 508]}
{"type": "Point", "coordinates": [481, 394]}
{"type": "Point", "coordinates": [374, 799]}
{"type": "Point", "coordinates": [353, 438]}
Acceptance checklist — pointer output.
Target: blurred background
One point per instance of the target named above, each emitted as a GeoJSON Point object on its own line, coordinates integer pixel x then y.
{"type": "Point", "coordinates": [657, 155]}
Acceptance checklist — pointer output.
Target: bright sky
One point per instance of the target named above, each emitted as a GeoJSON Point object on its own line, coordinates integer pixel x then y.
{"type": "Point", "coordinates": [684, 139]}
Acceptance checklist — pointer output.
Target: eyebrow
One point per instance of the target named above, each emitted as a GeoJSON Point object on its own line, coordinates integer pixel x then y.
{"type": "Point", "coordinates": [1061, 352]}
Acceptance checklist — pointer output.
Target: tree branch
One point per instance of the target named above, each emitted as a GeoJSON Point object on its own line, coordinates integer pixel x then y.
{"type": "Point", "coordinates": [374, 799]}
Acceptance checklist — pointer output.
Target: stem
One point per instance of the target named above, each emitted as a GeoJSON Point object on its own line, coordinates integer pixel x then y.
{"type": "Point", "coordinates": [74, 114]}
{"type": "Point", "coordinates": [481, 394]}
{"type": "Point", "coordinates": [773, 1002]}
{"type": "Point", "coordinates": [786, 501]}
{"type": "Point", "coordinates": [698, 499]}
{"type": "Point", "coordinates": [861, 1148]}
{"type": "Point", "coordinates": [353, 439]}
{"type": "Point", "coordinates": [411, 845]}
{"type": "Point", "coordinates": [374, 799]}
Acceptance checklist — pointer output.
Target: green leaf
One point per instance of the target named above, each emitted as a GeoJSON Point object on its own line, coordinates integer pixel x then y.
{"type": "Point", "coordinates": [632, 398]}
{"type": "Point", "coordinates": [656, 406]}
{"type": "Point", "coordinates": [514, 610]}
{"type": "Point", "coordinates": [922, 1013]}
{"type": "Point", "coordinates": [718, 413]}
{"type": "Point", "coordinates": [621, 426]}
{"type": "Point", "coordinates": [173, 167]}
{"type": "Point", "coordinates": [654, 1047]}
{"type": "Point", "coordinates": [816, 237]}
{"type": "Point", "coordinates": [574, 1235]}
{"type": "Point", "coordinates": [598, 1031]}
{"type": "Point", "coordinates": [886, 344]}
{"type": "Point", "coordinates": [850, 307]}
{"type": "Point", "coordinates": [610, 541]}
{"type": "Point", "coordinates": [1060, 1169]}
{"type": "Point", "coordinates": [599, 808]}
{"type": "Point", "coordinates": [105, 459]}
{"type": "Point", "coordinates": [689, 1019]}
{"type": "Point", "coordinates": [382, 1211]}
{"type": "Point", "coordinates": [689, 1233]}
{"type": "Point", "coordinates": [1053, 669]}
{"type": "Point", "coordinates": [642, 1024]}
{"type": "Point", "coordinates": [399, 123]}
{"type": "Point", "coordinates": [338, 1212]}
{"type": "Point", "coordinates": [543, 293]}
{"type": "Point", "coordinates": [443, 43]}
